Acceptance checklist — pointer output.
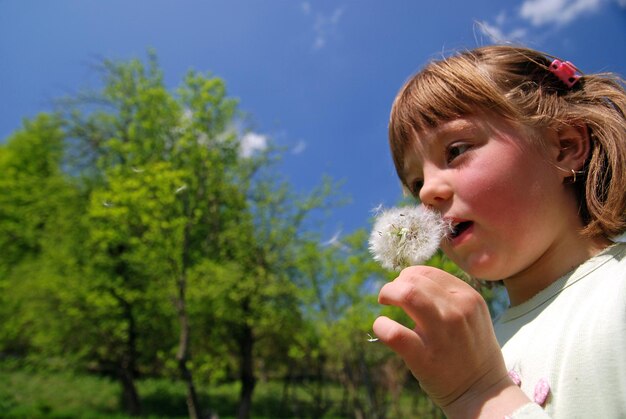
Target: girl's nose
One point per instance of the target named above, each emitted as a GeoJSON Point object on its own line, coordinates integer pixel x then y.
{"type": "Point", "coordinates": [435, 190]}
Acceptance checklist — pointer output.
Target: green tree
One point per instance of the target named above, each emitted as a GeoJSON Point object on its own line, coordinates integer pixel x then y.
{"type": "Point", "coordinates": [37, 202]}
{"type": "Point", "coordinates": [31, 179]}
{"type": "Point", "coordinates": [175, 204]}
{"type": "Point", "coordinates": [133, 237]}
{"type": "Point", "coordinates": [254, 297]}
{"type": "Point", "coordinates": [164, 172]}
{"type": "Point", "coordinates": [339, 284]}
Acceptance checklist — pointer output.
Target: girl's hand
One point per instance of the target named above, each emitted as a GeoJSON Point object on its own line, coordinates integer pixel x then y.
{"type": "Point", "coordinates": [452, 350]}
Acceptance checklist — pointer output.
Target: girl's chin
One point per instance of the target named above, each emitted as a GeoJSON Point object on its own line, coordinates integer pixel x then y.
{"type": "Point", "coordinates": [477, 266]}
{"type": "Point", "coordinates": [486, 275]}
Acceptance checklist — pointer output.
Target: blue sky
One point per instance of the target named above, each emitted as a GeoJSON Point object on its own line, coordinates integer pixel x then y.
{"type": "Point", "coordinates": [317, 77]}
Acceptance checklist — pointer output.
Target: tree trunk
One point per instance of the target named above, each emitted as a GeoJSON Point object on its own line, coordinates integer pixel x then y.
{"type": "Point", "coordinates": [372, 402]}
{"type": "Point", "coordinates": [248, 381]}
{"type": "Point", "coordinates": [320, 402]}
{"type": "Point", "coordinates": [183, 356]}
{"type": "Point", "coordinates": [127, 365]}
{"type": "Point", "coordinates": [130, 397]}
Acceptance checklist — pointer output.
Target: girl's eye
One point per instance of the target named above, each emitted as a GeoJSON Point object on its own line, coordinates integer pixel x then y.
{"type": "Point", "coordinates": [416, 187]}
{"type": "Point", "coordinates": [455, 150]}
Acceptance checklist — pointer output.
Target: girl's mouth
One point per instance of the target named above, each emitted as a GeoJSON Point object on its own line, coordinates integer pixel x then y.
{"type": "Point", "coordinates": [458, 229]}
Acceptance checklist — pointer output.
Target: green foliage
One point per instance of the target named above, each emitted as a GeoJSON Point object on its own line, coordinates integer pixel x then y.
{"type": "Point", "coordinates": [136, 237]}
{"type": "Point", "coordinates": [36, 201]}
{"type": "Point", "coordinates": [32, 188]}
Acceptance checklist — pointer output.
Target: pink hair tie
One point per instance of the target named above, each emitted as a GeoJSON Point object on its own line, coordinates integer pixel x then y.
{"type": "Point", "coordinates": [565, 71]}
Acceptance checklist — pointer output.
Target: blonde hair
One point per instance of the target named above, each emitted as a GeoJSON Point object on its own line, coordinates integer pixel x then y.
{"type": "Point", "coordinates": [515, 83]}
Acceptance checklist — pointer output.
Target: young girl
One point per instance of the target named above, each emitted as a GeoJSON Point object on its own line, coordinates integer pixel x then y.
{"type": "Point", "coordinates": [526, 159]}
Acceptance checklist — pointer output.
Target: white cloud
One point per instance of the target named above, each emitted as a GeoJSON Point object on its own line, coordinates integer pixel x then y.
{"type": "Point", "coordinates": [299, 147]}
{"type": "Point", "coordinates": [560, 12]}
{"type": "Point", "coordinates": [539, 14]}
{"type": "Point", "coordinates": [251, 143]}
{"type": "Point", "coordinates": [497, 32]}
{"type": "Point", "coordinates": [319, 43]}
{"type": "Point", "coordinates": [324, 26]}
{"type": "Point", "coordinates": [501, 18]}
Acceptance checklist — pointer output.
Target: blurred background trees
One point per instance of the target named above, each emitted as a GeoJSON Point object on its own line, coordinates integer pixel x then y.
{"type": "Point", "coordinates": [140, 243]}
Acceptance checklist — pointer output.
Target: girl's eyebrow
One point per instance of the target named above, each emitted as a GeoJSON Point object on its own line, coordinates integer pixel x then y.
{"type": "Point", "coordinates": [454, 126]}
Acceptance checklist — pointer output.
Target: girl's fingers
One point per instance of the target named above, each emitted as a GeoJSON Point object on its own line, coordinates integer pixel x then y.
{"type": "Point", "coordinates": [408, 291]}
{"type": "Point", "coordinates": [416, 278]}
{"type": "Point", "coordinates": [402, 340]}
{"type": "Point", "coordinates": [415, 297]}
{"type": "Point", "coordinates": [426, 294]}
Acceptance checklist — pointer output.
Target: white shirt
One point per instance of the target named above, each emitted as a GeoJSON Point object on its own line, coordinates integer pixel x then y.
{"type": "Point", "coordinates": [570, 341]}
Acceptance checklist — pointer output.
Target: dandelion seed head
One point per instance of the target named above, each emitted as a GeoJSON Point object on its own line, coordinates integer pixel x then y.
{"type": "Point", "coordinates": [406, 236]}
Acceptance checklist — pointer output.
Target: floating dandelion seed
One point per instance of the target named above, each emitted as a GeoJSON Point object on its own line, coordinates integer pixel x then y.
{"type": "Point", "coordinates": [180, 189]}
{"type": "Point", "coordinates": [137, 170]}
{"type": "Point", "coordinates": [377, 209]}
{"type": "Point", "coordinates": [406, 236]}
{"type": "Point", "coordinates": [107, 204]}
{"type": "Point", "coordinates": [371, 338]}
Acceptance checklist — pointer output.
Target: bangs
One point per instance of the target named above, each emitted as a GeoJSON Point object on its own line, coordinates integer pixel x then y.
{"type": "Point", "coordinates": [441, 92]}
{"type": "Point", "coordinates": [428, 101]}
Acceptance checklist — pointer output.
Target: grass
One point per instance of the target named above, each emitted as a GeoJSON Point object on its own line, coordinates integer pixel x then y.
{"type": "Point", "coordinates": [60, 395]}
{"type": "Point", "coordinates": [24, 394]}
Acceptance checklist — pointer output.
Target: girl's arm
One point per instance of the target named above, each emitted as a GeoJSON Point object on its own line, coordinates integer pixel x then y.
{"type": "Point", "coordinates": [452, 350]}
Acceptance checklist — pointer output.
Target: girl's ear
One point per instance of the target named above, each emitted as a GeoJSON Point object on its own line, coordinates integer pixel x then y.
{"type": "Point", "coordinates": [573, 146]}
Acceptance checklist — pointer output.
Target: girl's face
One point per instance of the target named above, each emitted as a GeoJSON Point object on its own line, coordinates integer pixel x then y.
{"type": "Point", "coordinates": [505, 198]}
